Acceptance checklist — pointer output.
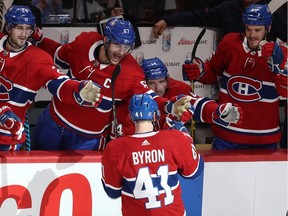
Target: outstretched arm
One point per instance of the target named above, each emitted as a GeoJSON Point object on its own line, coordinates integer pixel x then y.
{"type": "Point", "coordinates": [208, 111]}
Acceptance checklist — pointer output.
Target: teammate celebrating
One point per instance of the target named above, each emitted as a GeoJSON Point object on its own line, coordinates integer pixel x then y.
{"type": "Point", "coordinates": [24, 70]}
{"type": "Point", "coordinates": [247, 80]}
{"type": "Point", "coordinates": [144, 173]}
{"type": "Point", "coordinates": [157, 78]}
{"type": "Point", "coordinates": [95, 57]}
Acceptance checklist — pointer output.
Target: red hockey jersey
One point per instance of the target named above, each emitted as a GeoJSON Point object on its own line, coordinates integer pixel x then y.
{"type": "Point", "coordinates": [245, 80]}
{"type": "Point", "coordinates": [22, 75]}
{"type": "Point", "coordinates": [143, 170]}
{"type": "Point", "coordinates": [81, 57]}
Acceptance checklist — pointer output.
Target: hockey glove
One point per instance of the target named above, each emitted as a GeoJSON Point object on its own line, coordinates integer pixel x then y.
{"type": "Point", "coordinates": [227, 113]}
{"type": "Point", "coordinates": [193, 71]}
{"type": "Point", "coordinates": [37, 36]}
{"type": "Point", "coordinates": [187, 115]}
{"type": "Point", "coordinates": [177, 125]}
{"type": "Point", "coordinates": [174, 124]}
{"type": "Point", "coordinates": [89, 94]}
{"type": "Point", "coordinates": [11, 122]}
{"type": "Point", "coordinates": [180, 106]}
{"type": "Point", "coordinates": [274, 56]}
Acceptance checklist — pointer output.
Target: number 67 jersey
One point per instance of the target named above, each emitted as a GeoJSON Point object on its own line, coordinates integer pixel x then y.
{"type": "Point", "coordinates": [143, 169]}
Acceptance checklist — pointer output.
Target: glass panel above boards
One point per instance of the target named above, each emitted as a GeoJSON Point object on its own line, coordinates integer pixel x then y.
{"type": "Point", "coordinates": [141, 12]}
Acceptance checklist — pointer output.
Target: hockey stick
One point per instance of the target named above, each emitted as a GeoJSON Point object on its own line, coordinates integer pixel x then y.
{"type": "Point", "coordinates": [28, 133]}
{"type": "Point", "coordinates": [198, 39]}
{"type": "Point", "coordinates": [115, 74]}
{"type": "Point", "coordinates": [275, 4]}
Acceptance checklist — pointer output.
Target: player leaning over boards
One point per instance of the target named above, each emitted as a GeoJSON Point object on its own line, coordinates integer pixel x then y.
{"type": "Point", "coordinates": [246, 79]}
{"type": "Point", "coordinates": [90, 55]}
{"type": "Point", "coordinates": [24, 69]}
{"type": "Point", "coordinates": [158, 79]}
{"type": "Point", "coordinates": [145, 173]}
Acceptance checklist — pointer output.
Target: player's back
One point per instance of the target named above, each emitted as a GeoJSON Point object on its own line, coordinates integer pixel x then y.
{"type": "Point", "coordinates": [149, 165]}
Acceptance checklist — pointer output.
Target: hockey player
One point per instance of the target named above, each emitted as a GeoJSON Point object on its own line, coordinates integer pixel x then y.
{"type": "Point", "coordinates": [203, 108]}
{"type": "Point", "coordinates": [24, 69]}
{"type": "Point", "coordinates": [95, 57]}
{"type": "Point", "coordinates": [144, 173]}
{"type": "Point", "coordinates": [248, 80]}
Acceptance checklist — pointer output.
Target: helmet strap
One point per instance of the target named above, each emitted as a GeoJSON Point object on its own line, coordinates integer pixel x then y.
{"type": "Point", "coordinates": [156, 126]}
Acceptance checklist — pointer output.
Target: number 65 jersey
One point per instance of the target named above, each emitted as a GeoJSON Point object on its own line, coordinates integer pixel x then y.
{"type": "Point", "coordinates": [143, 169]}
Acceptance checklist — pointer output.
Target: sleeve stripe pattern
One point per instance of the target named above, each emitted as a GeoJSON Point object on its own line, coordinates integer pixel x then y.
{"type": "Point", "coordinates": [111, 191]}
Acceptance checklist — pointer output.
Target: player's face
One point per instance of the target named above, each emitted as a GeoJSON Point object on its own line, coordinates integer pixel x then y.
{"type": "Point", "coordinates": [116, 52]}
{"type": "Point", "coordinates": [18, 35]}
{"type": "Point", "coordinates": [158, 85]}
{"type": "Point", "coordinates": [254, 34]}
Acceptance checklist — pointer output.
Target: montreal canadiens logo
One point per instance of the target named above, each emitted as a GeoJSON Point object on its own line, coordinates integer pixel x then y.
{"type": "Point", "coordinates": [244, 88]}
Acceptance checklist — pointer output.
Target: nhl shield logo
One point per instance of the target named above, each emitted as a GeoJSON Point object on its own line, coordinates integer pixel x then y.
{"type": "Point", "coordinates": [96, 63]}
